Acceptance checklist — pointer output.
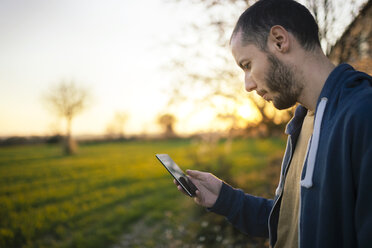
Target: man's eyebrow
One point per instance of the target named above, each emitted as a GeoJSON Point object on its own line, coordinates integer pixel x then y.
{"type": "Point", "coordinates": [239, 62]}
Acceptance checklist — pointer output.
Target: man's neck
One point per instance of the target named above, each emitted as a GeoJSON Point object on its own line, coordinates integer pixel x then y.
{"type": "Point", "coordinates": [315, 69]}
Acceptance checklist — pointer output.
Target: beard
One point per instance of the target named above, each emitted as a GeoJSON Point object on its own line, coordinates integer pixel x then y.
{"type": "Point", "coordinates": [281, 79]}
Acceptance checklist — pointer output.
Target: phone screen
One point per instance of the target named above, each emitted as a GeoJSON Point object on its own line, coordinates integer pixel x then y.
{"type": "Point", "coordinates": [177, 173]}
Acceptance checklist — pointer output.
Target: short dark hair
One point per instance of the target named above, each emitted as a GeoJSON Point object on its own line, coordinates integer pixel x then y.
{"type": "Point", "coordinates": [256, 21]}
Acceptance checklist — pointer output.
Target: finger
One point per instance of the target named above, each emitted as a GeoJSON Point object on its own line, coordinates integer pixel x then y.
{"type": "Point", "coordinates": [181, 189]}
{"type": "Point", "coordinates": [199, 195]}
{"type": "Point", "coordinates": [175, 182]}
{"type": "Point", "coordinates": [193, 180]}
{"type": "Point", "coordinates": [198, 198]}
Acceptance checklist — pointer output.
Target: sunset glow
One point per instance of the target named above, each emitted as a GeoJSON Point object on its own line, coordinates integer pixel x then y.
{"type": "Point", "coordinates": [121, 51]}
{"type": "Point", "coordinates": [116, 49]}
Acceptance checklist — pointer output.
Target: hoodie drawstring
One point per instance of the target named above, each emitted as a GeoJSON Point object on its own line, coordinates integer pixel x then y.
{"type": "Point", "coordinates": [307, 182]}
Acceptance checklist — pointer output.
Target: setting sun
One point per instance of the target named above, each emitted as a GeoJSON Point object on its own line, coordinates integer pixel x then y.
{"type": "Point", "coordinates": [249, 113]}
{"type": "Point", "coordinates": [245, 112]}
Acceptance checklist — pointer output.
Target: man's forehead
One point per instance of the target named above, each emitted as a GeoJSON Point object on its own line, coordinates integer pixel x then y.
{"type": "Point", "coordinates": [239, 49]}
{"type": "Point", "coordinates": [235, 44]}
{"type": "Point", "coordinates": [236, 39]}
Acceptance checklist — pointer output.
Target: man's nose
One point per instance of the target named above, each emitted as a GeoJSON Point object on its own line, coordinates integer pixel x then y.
{"type": "Point", "coordinates": [249, 83]}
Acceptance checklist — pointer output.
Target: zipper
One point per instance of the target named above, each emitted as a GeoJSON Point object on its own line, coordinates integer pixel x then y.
{"type": "Point", "coordinates": [280, 186]}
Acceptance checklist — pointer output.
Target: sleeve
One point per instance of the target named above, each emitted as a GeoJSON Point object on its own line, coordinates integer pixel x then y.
{"type": "Point", "coordinates": [362, 166]}
{"type": "Point", "coordinates": [247, 213]}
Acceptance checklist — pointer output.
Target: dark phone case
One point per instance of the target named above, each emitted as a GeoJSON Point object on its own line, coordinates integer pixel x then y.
{"type": "Point", "coordinates": [189, 185]}
{"type": "Point", "coordinates": [185, 183]}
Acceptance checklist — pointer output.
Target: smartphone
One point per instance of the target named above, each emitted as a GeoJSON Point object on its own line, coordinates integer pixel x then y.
{"type": "Point", "coordinates": [177, 173]}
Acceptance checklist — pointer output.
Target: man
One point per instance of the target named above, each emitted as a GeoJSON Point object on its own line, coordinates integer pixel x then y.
{"type": "Point", "coordinates": [324, 197]}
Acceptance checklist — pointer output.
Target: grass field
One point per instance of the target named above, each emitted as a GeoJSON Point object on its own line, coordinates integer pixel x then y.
{"type": "Point", "coordinates": [118, 195]}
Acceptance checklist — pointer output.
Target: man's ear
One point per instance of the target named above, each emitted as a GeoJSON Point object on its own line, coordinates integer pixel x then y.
{"type": "Point", "coordinates": [279, 39]}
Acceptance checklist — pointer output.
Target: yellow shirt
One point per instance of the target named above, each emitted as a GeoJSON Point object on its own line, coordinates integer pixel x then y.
{"type": "Point", "coordinates": [289, 209]}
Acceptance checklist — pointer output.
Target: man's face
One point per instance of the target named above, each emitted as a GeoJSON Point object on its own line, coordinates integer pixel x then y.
{"type": "Point", "coordinates": [266, 74]}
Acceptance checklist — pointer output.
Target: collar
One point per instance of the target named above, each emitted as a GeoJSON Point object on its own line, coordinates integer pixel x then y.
{"type": "Point", "coordinates": [330, 86]}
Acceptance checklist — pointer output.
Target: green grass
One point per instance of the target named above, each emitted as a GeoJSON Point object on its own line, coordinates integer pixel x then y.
{"type": "Point", "coordinates": [95, 197]}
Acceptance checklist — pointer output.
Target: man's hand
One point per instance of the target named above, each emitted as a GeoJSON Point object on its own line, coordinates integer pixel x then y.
{"type": "Point", "coordinates": [208, 186]}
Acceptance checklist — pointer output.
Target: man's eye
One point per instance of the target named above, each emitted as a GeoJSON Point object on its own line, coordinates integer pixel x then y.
{"type": "Point", "coordinates": [247, 66]}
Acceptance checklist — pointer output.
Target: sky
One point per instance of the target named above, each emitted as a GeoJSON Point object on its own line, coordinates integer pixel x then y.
{"type": "Point", "coordinates": [116, 49]}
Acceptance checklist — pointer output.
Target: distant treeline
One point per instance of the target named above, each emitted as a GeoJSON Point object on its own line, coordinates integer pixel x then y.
{"type": "Point", "coordinates": [58, 139]}
{"type": "Point", "coordinates": [21, 140]}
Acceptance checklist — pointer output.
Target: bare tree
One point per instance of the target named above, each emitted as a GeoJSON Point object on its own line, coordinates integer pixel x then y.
{"type": "Point", "coordinates": [219, 85]}
{"type": "Point", "coordinates": [167, 122]}
{"type": "Point", "coordinates": [328, 14]}
{"type": "Point", "coordinates": [67, 100]}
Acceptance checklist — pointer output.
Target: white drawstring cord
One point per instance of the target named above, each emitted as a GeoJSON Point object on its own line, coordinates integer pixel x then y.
{"type": "Point", "coordinates": [307, 182]}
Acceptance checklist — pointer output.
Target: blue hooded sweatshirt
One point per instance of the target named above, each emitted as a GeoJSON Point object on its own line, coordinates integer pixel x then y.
{"type": "Point", "coordinates": [336, 182]}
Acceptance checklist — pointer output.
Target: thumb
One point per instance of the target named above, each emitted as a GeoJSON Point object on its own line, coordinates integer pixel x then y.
{"type": "Point", "coordinates": [195, 174]}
